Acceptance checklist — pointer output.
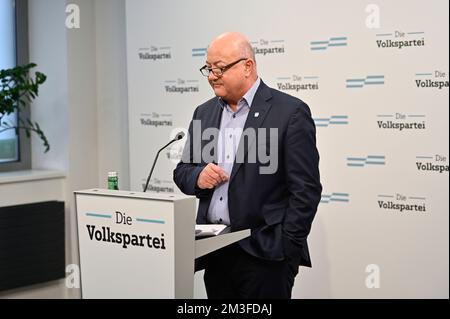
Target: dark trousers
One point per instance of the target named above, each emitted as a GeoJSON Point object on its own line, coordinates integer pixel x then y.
{"type": "Point", "coordinates": [231, 273]}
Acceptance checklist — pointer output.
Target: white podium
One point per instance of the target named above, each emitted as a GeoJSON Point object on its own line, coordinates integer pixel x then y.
{"type": "Point", "coordinates": [140, 245]}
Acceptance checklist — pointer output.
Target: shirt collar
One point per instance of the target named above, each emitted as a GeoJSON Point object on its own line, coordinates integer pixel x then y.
{"type": "Point", "coordinates": [248, 97]}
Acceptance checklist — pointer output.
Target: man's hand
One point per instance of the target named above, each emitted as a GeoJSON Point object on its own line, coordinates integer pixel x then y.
{"type": "Point", "coordinates": [211, 176]}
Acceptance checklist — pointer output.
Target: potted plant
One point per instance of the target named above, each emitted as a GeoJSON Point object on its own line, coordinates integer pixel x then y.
{"type": "Point", "coordinates": [18, 87]}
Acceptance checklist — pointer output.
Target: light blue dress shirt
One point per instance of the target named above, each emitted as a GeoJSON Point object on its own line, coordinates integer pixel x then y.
{"type": "Point", "coordinates": [231, 128]}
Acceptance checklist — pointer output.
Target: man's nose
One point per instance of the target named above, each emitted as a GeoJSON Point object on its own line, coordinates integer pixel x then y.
{"type": "Point", "coordinates": [212, 76]}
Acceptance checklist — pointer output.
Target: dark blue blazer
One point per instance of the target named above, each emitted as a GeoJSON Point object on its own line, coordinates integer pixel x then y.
{"type": "Point", "coordinates": [278, 208]}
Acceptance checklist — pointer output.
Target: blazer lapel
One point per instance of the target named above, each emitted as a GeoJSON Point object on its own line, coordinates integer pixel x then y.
{"type": "Point", "coordinates": [213, 121]}
{"type": "Point", "coordinates": [258, 111]}
{"type": "Point", "coordinates": [216, 116]}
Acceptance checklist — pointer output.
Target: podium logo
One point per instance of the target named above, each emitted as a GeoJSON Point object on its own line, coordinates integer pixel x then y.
{"type": "Point", "coordinates": [433, 164]}
{"type": "Point", "coordinates": [181, 86]}
{"type": "Point", "coordinates": [402, 203]}
{"type": "Point", "coordinates": [154, 53]}
{"type": "Point", "coordinates": [156, 119]}
{"type": "Point", "coordinates": [335, 197]}
{"type": "Point", "coordinates": [431, 80]}
{"type": "Point", "coordinates": [331, 121]}
{"type": "Point", "coordinates": [264, 47]}
{"type": "Point", "coordinates": [107, 235]}
{"type": "Point", "coordinates": [400, 40]}
{"type": "Point", "coordinates": [366, 161]}
{"type": "Point", "coordinates": [298, 83]}
{"type": "Point", "coordinates": [369, 80]}
{"type": "Point", "coordinates": [401, 122]}
{"type": "Point", "coordinates": [322, 45]}
{"type": "Point", "coordinates": [160, 186]}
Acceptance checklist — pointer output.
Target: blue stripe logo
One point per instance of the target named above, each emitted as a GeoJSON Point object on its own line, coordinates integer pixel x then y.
{"type": "Point", "coordinates": [333, 120]}
{"type": "Point", "coordinates": [363, 161]}
{"type": "Point", "coordinates": [335, 197]}
{"type": "Point", "coordinates": [150, 221]}
{"type": "Point", "coordinates": [199, 52]}
{"type": "Point", "coordinates": [325, 44]}
{"type": "Point", "coordinates": [368, 80]}
{"type": "Point", "coordinates": [98, 215]}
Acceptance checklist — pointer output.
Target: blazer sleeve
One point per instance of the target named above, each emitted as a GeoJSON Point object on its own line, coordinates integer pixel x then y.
{"type": "Point", "coordinates": [303, 179]}
{"type": "Point", "coordinates": [187, 171]}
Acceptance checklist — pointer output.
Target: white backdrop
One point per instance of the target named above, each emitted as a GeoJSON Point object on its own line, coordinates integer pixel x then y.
{"type": "Point", "coordinates": [375, 75]}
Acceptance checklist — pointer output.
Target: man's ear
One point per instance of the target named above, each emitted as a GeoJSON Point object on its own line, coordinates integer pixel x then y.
{"type": "Point", "coordinates": [249, 65]}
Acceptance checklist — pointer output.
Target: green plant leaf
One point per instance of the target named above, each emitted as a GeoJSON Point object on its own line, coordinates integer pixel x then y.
{"type": "Point", "coordinates": [18, 88]}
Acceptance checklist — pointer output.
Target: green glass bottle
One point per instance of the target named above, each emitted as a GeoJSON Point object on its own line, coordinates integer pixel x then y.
{"type": "Point", "coordinates": [113, 181]}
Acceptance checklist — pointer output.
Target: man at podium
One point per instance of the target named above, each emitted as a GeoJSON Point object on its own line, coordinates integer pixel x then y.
{"type": "Point", "coordinates": [251, 159]}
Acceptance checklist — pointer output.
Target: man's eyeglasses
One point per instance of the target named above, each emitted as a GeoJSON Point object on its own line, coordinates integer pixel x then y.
{"type": "Point", "coordinates": [218, 72]}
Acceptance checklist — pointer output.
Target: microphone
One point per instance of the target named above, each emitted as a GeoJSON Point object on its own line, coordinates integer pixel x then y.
{"type": "Point", "coordinates": [178, 137]}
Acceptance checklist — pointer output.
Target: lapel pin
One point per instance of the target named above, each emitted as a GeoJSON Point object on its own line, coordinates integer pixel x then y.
{"type": "Point", "coordinates": [257, 114]}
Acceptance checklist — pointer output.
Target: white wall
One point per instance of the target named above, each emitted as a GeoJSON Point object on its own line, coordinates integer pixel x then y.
{"type": "Point", "coordinates": [112, 98]}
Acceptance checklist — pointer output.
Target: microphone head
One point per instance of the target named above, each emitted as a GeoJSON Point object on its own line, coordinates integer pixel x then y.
{"type": "Point", "coordinates": [179, 136]}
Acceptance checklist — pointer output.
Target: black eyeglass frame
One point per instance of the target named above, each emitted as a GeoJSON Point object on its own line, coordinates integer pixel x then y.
{"type": "Point", "coordinates": [219, 71]}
